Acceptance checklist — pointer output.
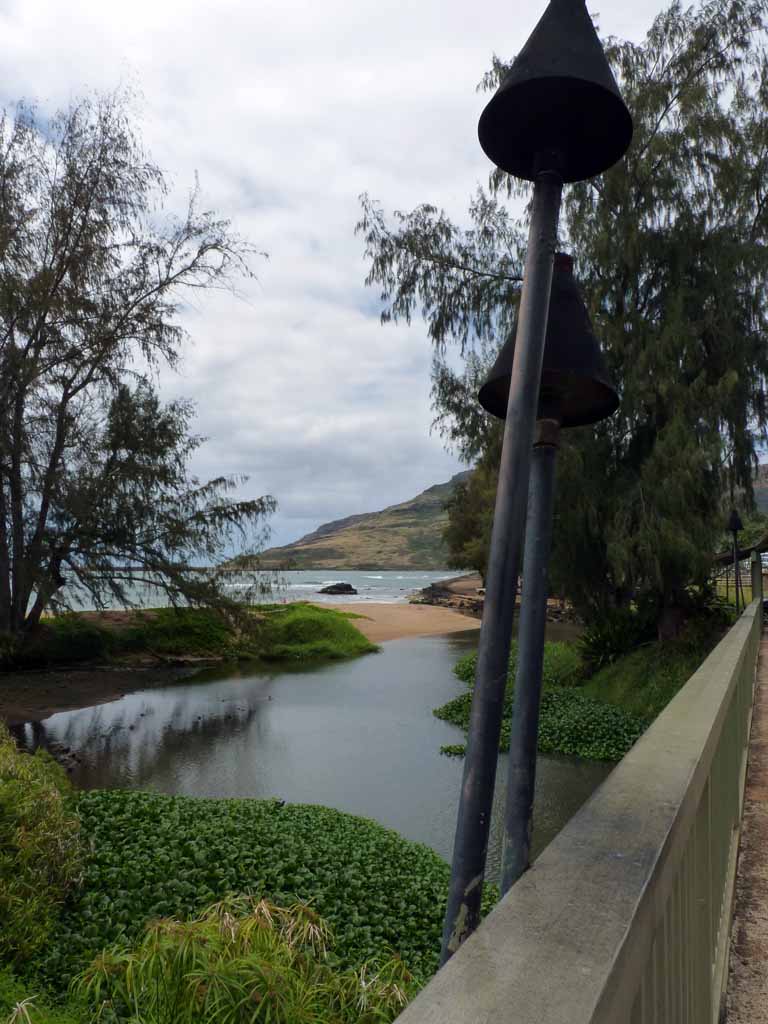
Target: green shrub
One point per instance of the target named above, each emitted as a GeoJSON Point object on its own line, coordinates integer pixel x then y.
{"type": "Point", "coordinates": [177, 631]}
{"type": "Point", "coordinates": [63, 640]}
{"type": "Point", "coordinates": [645, 681]}
{"type": "Point", "coordinates": [21, 1003]}
{"type": "Point", "coordinates": [156, 856]}
{"type": "Point", "coordinates": [562, 665]}
{"type": "Point", "coordinates": [40, 848]}
{"type": "Point", "coordinates": [242, 960]}
{"type": "Point", "coordinates": [305, 632]}
{"type": "Point", "coordinates": [297, 632]}
{"type": "Point", "coordinates": [616, 633]}
{"type": "Point", "coordinates": [569, 722]}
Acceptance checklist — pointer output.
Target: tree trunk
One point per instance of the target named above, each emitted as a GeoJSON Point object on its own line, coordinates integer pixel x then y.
{"type": "Point", "coordinates": [671, 621]}
{"type": "Point", "coordinates": [5, 565]}
{"type": "Point", "coordinates": [54, 582]}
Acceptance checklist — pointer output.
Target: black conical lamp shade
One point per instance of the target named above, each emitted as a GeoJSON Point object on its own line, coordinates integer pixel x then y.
{"type": "Point", "coordinates": [735, 524]}
{"type": "Point", "coordinates": [559, 97]}
{"type": "Point", "coordinates": [575, 385]}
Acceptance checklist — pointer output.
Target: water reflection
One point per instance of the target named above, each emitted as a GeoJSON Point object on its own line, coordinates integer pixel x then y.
{"type": "Point", "coordinates": [359, 736]}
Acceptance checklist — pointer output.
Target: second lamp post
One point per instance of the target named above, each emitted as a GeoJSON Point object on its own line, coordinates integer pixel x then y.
{"type": "Point", "coordinates": [575, 390]}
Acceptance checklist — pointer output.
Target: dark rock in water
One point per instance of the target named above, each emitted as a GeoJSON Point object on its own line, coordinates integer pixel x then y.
{"type": "Point", "coordinates": [338, 588]}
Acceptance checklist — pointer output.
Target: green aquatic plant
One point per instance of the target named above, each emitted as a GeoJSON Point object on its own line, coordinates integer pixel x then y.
{"type": "Point", "coordinates": [153, 856]}
{"type": "Point", "coordinates": [244, 959]}
{"type": "Point", "coordinates": [569, 721]}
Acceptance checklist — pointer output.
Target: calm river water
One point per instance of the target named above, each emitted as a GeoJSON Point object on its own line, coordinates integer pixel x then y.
{"type": "Point", "coordinates": [359, 736]}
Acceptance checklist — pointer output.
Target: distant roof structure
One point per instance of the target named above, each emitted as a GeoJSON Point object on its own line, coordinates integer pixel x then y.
{"type": "Point", "coordinates": [726, 557]}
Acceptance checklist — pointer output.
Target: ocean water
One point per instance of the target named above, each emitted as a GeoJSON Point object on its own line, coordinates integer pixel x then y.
{"type": "Point", "coordinates": [389, 587]}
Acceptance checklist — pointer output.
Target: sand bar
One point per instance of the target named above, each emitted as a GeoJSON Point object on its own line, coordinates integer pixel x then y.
{"type": "Point", "coordinates": [396, 621]}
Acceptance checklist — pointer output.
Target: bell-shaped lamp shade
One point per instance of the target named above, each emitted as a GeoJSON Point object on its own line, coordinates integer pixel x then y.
{"type": "Point", "coordinates": [575, 386]}
{"type": "Point", "coordinates": [559, 97]}
{"type": "Point", "coordinates": [734, 522]}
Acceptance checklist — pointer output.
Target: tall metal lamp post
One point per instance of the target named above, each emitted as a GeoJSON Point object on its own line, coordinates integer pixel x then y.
{"type": "Point", "coordinates": [557, 117]}
{"type": "Point", "coordinates": [575, 390]}
{"type": "Point", "coordinates": [735, 526]}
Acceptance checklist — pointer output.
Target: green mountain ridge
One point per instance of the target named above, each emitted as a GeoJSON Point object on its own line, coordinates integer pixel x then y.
{"type": "Point", "coordinates": [408, 535]}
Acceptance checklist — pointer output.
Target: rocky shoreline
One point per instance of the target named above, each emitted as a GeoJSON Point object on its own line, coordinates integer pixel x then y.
{"type": "Point", "coordinates": [465, 594]}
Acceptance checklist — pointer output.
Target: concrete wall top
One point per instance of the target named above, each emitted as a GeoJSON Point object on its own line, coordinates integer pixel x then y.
{"type": "Point", "coordinates": [559, 948]}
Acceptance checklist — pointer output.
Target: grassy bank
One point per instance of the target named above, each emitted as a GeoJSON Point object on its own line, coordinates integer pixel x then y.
{"type": "Point", "coordinates": [644, 681]}
{"type": "Point", "coordinates": [601, 717]}
{"type": "Point", "coordinates": [276, 633]}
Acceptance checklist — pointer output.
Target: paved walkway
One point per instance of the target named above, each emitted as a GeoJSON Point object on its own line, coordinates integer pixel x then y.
{"type": "Point", "coordinates": [747, 999]}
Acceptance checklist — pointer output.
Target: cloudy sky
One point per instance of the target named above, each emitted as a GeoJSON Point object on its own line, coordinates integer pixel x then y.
{"type": "Point", "coordinates": [288, 110]}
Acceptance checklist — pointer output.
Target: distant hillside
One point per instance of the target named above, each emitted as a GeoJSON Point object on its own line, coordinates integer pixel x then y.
{"type": "Point", "coordinates": [405, 536]}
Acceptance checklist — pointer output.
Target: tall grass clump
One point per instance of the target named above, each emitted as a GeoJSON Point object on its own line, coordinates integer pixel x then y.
{"type": "Point", "coordinates": [24, 1003]}
{"type": "Point", "coordinates": [41, 854]}
{"type": "Point", "coordinates": [305, 632]}
{"type": "Point", "coordinates": [244, 960]}
{"type": "Point", "coordinates": [177, 631]}
{"type": "Point", "coordinates": [645, 681]}
{"type": "Point", "coordinates": [562, 665]}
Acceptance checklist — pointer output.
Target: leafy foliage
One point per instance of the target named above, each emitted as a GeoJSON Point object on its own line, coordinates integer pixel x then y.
{"type": "Point", "coordinates": [470, 512]}
{"type": "Point", "coordinates": [242, 960]}
{"type": "Point", "coordinates": [644, 681]}
{"type": "Point", "coordinates": [669, 254]}
{"type": "Point", "coordinates": [157, 856]}
{"type": "Point", "coordinates": [562, 665]}
{"type": "Point", "coordinates": [601, 718]}
{"type": "Point", "coordinates": [94, 484]}
{"type": "Point", "coordinates": [295, 632]}
{"type": "Point", "coordinates": [21, 1003]}
{"type": "Point", "coordinates": [618, 631]}
{"type": "Point", "coordinates": [40, 849]}
{"type": "Point", "coordinates": [569, 721]}
{"type": "Point", "coordinates": [304, 632]}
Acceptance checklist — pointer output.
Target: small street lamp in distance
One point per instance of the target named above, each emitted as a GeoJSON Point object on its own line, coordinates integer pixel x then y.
{"type": "Point", "coordinates": [735, 526]}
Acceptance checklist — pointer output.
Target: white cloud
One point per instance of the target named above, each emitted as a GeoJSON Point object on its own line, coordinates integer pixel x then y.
{"type": "Point", "coordinates": [288, 110]}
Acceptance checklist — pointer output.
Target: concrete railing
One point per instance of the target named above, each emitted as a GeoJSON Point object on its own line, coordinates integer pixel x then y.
{"type": "Point", "coordinates": [625, 916]}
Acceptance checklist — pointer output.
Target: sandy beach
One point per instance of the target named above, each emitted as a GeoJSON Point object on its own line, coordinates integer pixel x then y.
{"type": "Point", "coordinates": [394, 621]}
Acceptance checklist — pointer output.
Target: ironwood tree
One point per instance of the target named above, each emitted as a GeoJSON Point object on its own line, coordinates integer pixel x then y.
{"type": "Point", "coordinates": [94, 482]}
{"type": "Point", "coordinates": [670, 250]}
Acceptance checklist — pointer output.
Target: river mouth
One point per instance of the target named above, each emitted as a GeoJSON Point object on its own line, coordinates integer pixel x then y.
{"type": "Point", "coordinates": [359, 736]}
